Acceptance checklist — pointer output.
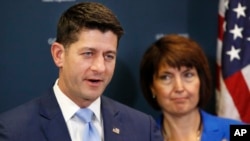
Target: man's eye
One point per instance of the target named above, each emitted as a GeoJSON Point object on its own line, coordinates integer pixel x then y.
{"type": "Point", "coordinates": [87, 54]}
{"type": "Point", "coordinates": [109, 57]}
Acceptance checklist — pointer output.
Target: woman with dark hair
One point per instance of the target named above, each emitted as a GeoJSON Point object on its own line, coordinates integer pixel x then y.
{"type": "Point", "coordinates": [175, 79]}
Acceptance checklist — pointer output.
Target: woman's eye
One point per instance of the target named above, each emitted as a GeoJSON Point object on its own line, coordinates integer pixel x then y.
{"type": "Point", "coordinates": [166, 79]}
{"type": "Point", "coordinates": [189, 76]}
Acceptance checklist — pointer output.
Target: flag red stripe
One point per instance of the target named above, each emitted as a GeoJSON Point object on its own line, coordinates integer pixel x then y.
{"type": "Point", "coordinates": [220, 27]}
{"type": "Point", "coordinates": [241, 95]}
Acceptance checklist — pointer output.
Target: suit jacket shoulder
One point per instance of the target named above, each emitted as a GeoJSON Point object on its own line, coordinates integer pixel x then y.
{"type": "Point", "coordinates": [40, 119]}
{"type": "Point", "coordinates": [216, 128]}
{"type": "Point", "coordinates": [122, 123]}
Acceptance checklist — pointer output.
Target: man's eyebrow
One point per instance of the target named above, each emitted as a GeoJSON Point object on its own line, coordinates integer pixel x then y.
{"type": "Point", "coordinates": [111, 51]}
{"type": "Point", "coordinates": [93, 49]}
{"type": "Point", "coordinates": [87, 48]}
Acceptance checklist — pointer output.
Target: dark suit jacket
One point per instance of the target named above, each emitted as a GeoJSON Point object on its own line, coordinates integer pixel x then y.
{"type": "Point", "coordinates": [41, 120]}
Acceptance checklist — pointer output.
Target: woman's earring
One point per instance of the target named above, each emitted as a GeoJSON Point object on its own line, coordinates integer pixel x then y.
{"type": "Point", "coordinates": [153, 96]}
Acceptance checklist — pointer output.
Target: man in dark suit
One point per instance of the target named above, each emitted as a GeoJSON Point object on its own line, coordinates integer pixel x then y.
{"type": "Point", "coordinates": [85, 52]}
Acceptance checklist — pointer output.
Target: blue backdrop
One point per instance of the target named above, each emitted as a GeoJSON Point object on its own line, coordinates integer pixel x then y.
{"type": "Point", "coordinates": [28, 28]}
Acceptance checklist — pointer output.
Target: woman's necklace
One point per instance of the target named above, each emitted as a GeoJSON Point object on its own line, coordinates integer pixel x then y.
{"type": "Point", "coordinates": [198, 134]}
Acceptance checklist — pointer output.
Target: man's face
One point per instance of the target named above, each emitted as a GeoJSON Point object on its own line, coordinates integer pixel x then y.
{"type": "Point", "coordinates": [87, 66]}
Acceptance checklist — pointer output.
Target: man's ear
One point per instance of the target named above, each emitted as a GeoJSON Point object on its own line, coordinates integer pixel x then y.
{"type": "Point", "coordinates": [57, 52]}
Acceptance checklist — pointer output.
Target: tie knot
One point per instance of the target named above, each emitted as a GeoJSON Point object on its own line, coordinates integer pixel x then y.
{"type": "Point", "coordinates": [85, 114]}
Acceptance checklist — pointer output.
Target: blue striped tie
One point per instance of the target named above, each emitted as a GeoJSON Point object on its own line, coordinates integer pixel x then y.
{"type": "Point", "coordinates": [90, 132]}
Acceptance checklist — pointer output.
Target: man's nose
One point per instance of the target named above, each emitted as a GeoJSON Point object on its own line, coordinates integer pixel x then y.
{"type": "Point", "coordinates": [98, 64]}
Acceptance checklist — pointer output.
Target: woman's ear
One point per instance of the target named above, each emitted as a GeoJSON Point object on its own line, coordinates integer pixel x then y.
{"type": "Point", "coordinates": [57, 52]}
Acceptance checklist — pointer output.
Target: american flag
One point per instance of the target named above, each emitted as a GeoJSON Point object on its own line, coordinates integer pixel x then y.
{"type": "Point", "coordinates": [233, 60]}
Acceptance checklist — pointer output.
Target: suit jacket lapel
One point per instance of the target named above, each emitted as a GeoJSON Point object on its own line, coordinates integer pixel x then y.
{"type": "Point", "coordinates": [113, 129]}
{"type": "Point", "coordinates": [52, 121]}
{"type": "Point", "coordinates": [211, 129]}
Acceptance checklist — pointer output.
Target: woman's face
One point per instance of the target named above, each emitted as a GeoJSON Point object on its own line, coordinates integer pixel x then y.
{"type": "Point", "coordinates": [176, 90]}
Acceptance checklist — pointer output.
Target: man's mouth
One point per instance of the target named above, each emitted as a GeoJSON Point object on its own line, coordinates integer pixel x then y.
{"type": "Point", "coordinates": [94, 80]}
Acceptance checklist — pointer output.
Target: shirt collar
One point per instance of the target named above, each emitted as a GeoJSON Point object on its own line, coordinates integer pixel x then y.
{"type": "Point", "coordinates": [69, 108]}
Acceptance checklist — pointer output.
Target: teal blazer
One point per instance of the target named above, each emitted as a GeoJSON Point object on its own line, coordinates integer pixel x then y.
{"type": "Point", "coordinates": [214, 128]}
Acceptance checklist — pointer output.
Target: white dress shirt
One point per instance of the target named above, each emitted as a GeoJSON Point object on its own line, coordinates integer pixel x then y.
{"type": "Point", "coordinates": [74, 124]}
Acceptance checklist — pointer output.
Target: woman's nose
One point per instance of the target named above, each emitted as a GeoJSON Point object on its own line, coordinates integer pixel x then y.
{"type": "Point", "coordinates": [178, 85]}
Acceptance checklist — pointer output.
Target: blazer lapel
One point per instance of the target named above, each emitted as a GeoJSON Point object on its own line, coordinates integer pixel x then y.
{"type": "Point", "coordinates": [52, 121]}
{"type": "Point", "coordinates": [211, 128]}
{"type": "Point", "coordinates": [113, 129]}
